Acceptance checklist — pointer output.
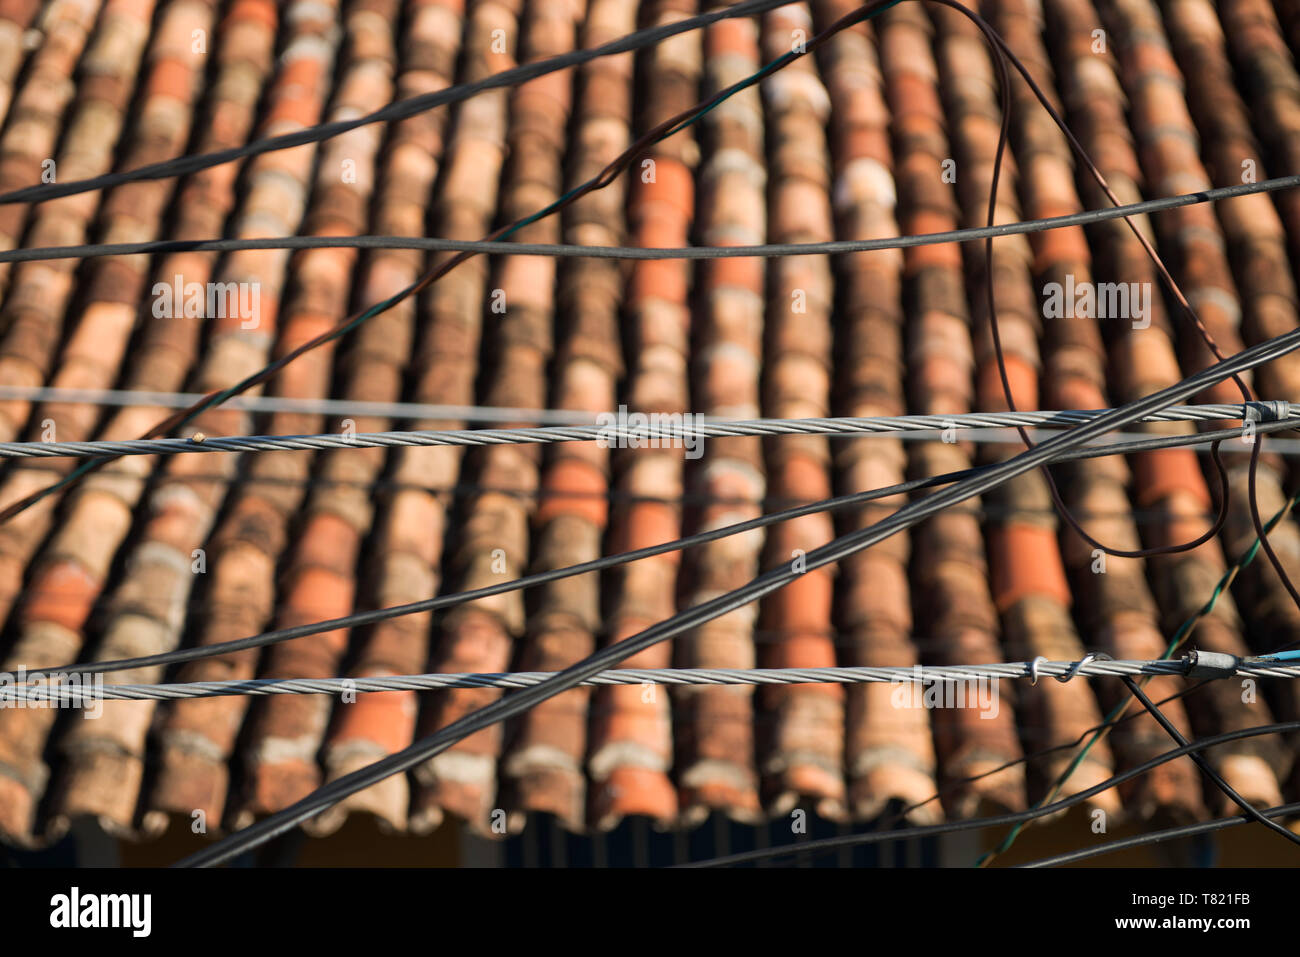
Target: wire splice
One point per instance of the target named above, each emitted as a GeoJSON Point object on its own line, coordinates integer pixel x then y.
{"type": "Point", "coordinates": [1210, 664]}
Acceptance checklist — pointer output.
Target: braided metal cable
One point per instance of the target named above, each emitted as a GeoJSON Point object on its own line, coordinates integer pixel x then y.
{"type": "Point", "coordinates": [634, 435]}
{"type": "Point", "coordinates": [74, 688]}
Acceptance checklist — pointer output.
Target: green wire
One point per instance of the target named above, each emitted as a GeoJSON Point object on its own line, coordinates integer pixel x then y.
{"type": "Point", "coordinates": [1179, 637]}
{"type": "Point", "coordinates": [1219, 589]}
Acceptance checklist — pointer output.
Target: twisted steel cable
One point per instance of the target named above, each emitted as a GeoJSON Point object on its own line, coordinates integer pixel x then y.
{"type": "Point", "coordinates": [67, 688]}
{"type": "Point", "coordinates": [1276, 411]}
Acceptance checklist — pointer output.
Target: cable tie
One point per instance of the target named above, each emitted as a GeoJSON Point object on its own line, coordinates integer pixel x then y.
{"type": "Point", "coordinates": [1210, 664]}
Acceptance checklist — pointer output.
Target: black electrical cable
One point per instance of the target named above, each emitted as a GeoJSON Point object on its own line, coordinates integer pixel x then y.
{"type": "Point", "coordinates": [1159, 837]}
{"type": "Point", "coordinates": [1000, 820]}
{"type": "Point", "coordinates": [1204, 765]}
{"type": "Point", "coordinates": [902, 813]}
{"type": "Point", "coordinates": [184, 165]}
{"type": "Point", "coordinates": [764, 584]}
{"type": "Point", "coordinates": [565, 250]}
{"type": "Point", "coordinates": [440, 602]}
{"type": "Point", "coordinates": [191, 164]}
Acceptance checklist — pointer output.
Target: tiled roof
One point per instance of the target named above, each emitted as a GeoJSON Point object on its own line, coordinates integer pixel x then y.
{"type": "Point", "coordinates": [890, 128]}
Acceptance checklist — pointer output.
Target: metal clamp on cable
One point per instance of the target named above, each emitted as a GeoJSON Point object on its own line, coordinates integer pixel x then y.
{"type": "Point", "coordinates": [1079, 665]}
{"type": "Point", "coordinates": [1033, 668]}
{"type": "Point", "coordinates": [1271, 410]}
{"type": "Point", "coordinates": [1210, 664]}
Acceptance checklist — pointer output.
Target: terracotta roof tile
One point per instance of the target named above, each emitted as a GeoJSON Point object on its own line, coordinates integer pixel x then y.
{"type": "Point", "coordinates": [716, 769]}
{"type": "Point", "coordinates": [464, 779]}
{"type": "Point", "coordinates": [801, 738]}
{"type": "Point", "coordinates": [630, 736]}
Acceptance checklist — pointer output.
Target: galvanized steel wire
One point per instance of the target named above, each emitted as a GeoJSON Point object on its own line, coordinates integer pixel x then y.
{"type": "Point", "coordinates": [63, 689]}
{"type": "Point", "coordinates": [632, 435]}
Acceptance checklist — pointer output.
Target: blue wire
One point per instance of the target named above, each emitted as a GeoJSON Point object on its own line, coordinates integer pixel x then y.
{"type": "Point", "coordinates": [1282, 656]}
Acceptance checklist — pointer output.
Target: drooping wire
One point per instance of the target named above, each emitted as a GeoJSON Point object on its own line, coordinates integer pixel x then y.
{"type": "Point", "coordinates": [1002, 55]}
{"type": "Point", "coordinates": [1252, 498]}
